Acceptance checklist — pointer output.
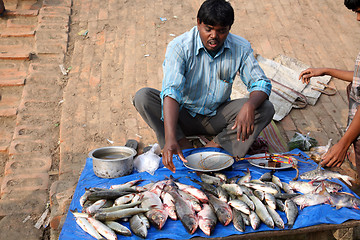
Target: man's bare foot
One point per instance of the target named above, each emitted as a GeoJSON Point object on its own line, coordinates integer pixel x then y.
{"type": "Point", "coordinates": [185, 143]}
{"type": "Point", "coordinates": [212, 144]}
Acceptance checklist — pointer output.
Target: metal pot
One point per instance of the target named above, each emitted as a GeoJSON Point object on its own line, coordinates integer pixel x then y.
{"type": "Point", "coordinates": [113, 162]}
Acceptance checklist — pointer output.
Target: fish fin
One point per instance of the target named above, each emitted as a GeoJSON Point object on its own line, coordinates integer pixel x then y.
{"type": "Point", "coordinates": [318, 166]}
{"type": "Point", "coordinates": [356, 206]}
{"type": "Point", "coordinates": [345, 193]}
{"type": "Point", "coordinates": [347, 179]}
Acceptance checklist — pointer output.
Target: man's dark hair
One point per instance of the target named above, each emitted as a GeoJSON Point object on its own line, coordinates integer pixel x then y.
{"type": "Point", "coordinates": [216, 12]}
{"type": "Point", "coordinates": [352, 4]}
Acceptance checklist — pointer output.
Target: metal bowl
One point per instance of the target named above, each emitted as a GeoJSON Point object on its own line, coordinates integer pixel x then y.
{"type": "Point", "coordinates": [113, 162]}
{"type": "Point", "coordinates": [208, 161]}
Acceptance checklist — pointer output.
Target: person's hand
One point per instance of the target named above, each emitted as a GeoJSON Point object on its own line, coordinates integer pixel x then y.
{"type": "Point", "coordinates": [171, 147]}
{"type": "Point", "coordinates": [311, 72]}
{"type": "Point", "coordinates": [244, 122]}
{"type": "Point", "coordinates": [335, 156]}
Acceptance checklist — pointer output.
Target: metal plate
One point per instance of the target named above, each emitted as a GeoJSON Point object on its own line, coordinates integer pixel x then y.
{"type": "Point", "coordinates": [209, 161]}
{"type": "Point", "coordinates": [259, 162]}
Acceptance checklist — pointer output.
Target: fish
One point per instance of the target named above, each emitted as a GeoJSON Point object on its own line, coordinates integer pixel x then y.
{"type": "Point", "coordinates": [95, 207]}
{"type": "Point", "coordinates": [261, 211]}
{"type": "Point", "coordinates": [233, 179]}
{"type": "Point", "coordinates": [259, 194]}
{"type": "Point", "coordinates": [233, 188]}
{"type": "Point", "coordinates": [127, 212]}
{"type": "Point", "coordinates": [254, 220]}
{"type": "Point", "coordinates": [240, 205]}
{"type": "Point", "coordinates": [291, 212]}
{"type": "Point", "coordinates": [286, 187]}
{"type": "Point", "coordinates": [210, 179]}
{"type": "Point", "coordinates": [331, 187]}
{"type": "Point", "coordinates": [119, 228]}
{"type": "Point", "coordinates": [311, 199]}
{"type": "Point", "coordinates": [285, 196]}
{"type": "Point", "coordinates": [138, 226]}
{"type": "Point", "coordinates": [184, 210]}
{"type": "Point", "coordinates": [222, 194]}
{"type": "Point", "coordinates": [238, 220]}
{"type": "Point", "coordinates": [127, 184]}
{"type": "Point", "coordinates": [193, 201]}
{"type": "Point", "coordinates": [280, 205]}
{"type": "Point", "coordinates": [261, 187]}
{"type": "Point", "coordinates": [320, 174]}
{"type": "Point", "coordinates": [222, 176]}
{"type": "Point", "coordinates": [156, 214]}
{"type": "Point", "coordinates": [104, 230]}
{"type": "Point", "coordinates": [270, 200]}
{"type": "Point", "coordinates": [207, 219]}
{"type": "Point", "coordinates": [266, 176]}
{"type": "Point", "coordinates": [222, 210]}
{"type": "Point", "coordinates": [124, 199]}
{"type": "Point", "coordinates": [276, 217]}
{"type": "Point", "coordinates": [88, 227]}
{"type": "Point", "coordinates": [119, 207]}
{"type": "Point", "coordinates": [340, 200]}
{"type": "Point", "coordinates": [106, 194]}
{"type": "Point", "coordinates": [206, 187]}
{"type": "Point", "coordinates": [303, 187]}
{"type": "Point", "coordinates": [245, 178]}
{"type": "Point", "coordinates": [193, 191]}
{"type": "Point", "coordinates": [84, 197]}
{"type": "Point", "coordinates": [246, 218]}
{"type": "Point", "coordinates": [246, 200]}
{"type": "Point", "coordinates": [169, 205]}
{"type": "Point", "coordinates": [277, 181]}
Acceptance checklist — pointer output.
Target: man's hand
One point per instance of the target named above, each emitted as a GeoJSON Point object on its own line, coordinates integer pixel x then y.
{"type": "Point", "coordinates": [244, 122]}
{"type": "Point", "coordinates": [335, 156]}
{"type": "Point", "coordinates": [171, 147]}
{"type": "Point", "coordinates": [311, 72]}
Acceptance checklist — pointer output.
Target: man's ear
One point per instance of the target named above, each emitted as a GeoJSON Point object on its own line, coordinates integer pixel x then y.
{"type": "Point", "coordinates": [198, 22]}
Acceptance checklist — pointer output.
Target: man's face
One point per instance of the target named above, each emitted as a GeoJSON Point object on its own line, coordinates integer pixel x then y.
{"type": "Point", "coordinates": [213, 37]}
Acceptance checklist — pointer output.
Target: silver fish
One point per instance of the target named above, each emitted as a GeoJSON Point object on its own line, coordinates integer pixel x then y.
{"type": "Point", "coordinates": [254, 220]}
{"type": "Point", "coordinates": [238, 220]}
{"type": "Point", "coordinates": [124, 199]}
{"type": "Point", "coordinates": [270, 200]}
{"type": "Point", "coordinates": [277, 181]}
{"type": "Point", "coordinates": [169, 205]}
{"type": "Point", "coordinates": [104, 230]}
{"type": "Point", "coordinates": [157, 215]}
{"type": "Point", "coordinates": [247, 200]}
{"type": "Point", "coordinates": [127, 212]}
{"type": "Point", "coordinates": [340, 200]}
{"type": "Point", "coordinates": [119, 228]}
{"type": "Point", "coordinates": [88, 227]}
{"type": "Point", "coordinates": [276, 217]}
{"type": "Point", "coordinates": [259, 194]}
{"type": "Point", "coordinates": [245, 178]}
{"type": "Point", "coordinates": [320, 174]}
{"type": "Point", "coordinates": [261, 187]}
{"type": "Point", "coordinates": [184, 210]}
{"type": "Point", "coordinates": [240, 205]}
{"type": "Point", "coordinates": [207, 219]}
{"type": "Point", "coordinates": [312, 199]}
{"type": "Point", "coordinates": [138, 226]}
{"type": "Point", "coordinates": [331, 187]}
{"type": "Point", "coordinates": [246, 218]}
{"type": "Point", "coordinates": [261, 211]}
{"type": "Point", "coordinates": [193, 191]}
{"type": "Point", "coordinates": [291, 212]}
{"type": "Point", "coordinates": [303, 187]}
{"type": "Point", "coordinates": [119, 207]}
{"type": "Point", "coordinates": [222, 194]}
{"type": "Point", "coordinates": [223, 210]}
{"type": "Point", "coordinates": [286, 187]}
{"type": "Point", "coordinates": [280, 205]}
{"type": "Point", "coordinates": [233, 188]}
{"type": "Point", "coordinates": [210, 179]}
{"type": "Point", "coordinates": [222, 176]}
{"type": "Point", "coordinates": [193, 201]}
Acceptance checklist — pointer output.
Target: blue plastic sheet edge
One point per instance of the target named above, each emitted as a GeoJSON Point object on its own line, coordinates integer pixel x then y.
{"type": "Point", "coordinates": [309, 216]}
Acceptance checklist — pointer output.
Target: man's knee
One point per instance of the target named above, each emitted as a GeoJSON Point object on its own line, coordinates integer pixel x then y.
{"type": "Point", "coordinates": [143, 97]}
{"type": "Point", "coordinates": [267, 109]}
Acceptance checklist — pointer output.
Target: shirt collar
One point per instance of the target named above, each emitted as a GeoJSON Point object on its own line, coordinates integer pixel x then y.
{"type": "Point", "coordinates": [200, 45]}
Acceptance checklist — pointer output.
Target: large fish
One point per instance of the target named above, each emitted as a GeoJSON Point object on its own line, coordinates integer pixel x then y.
{"type": "Point", "coordinates": [276, 217]}
{"type": "Point", "coordinates": [193, 191]}
{"type": "Point", "coordinates": [184, 210]}
{"type": "Point", "coordinates": [312, 199]}
{"type": "Point", "coordinates": [207, 219]}
{"type": "Point", "coordinates": [320, 174]}
{"type": "Point", "coordinates": [157, 215]}
{"type": "Point", "coordinates": [340, 200]}
{"type": "Point", "coordinates": [89, 228]}
{"type": "Point", "coordinates": [291, 212]}
{"type": "Point", "coordinates": [262, 212]}
{"type": "Point", "coordinates": [138, 226]}
{"type": "Point", "coordinates": [238, 220]}
{"type": "Point", "coordinates": [222, 209]}
{"type": "Point", "coordinates": [103, 229]}
{"type": "Point", "coordinates": [119, 228]}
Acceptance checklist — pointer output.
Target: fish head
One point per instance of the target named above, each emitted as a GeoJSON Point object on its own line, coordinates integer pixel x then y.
{"type": "Point", "coordinates": [206, 226]}
{"type": "Point", "coordinates": [157, 217]}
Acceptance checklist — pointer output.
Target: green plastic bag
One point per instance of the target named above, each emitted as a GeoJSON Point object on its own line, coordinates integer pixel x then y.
{"type": "Point", "coordinates": [302, 142]}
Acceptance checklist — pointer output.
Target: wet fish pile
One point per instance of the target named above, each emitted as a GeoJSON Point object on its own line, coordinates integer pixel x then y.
{"type": "Point", "coordinates": [239, 200]}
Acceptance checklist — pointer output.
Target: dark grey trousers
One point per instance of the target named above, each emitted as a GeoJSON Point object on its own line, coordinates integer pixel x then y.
{"type": "Point", "coordinates": [148, 103]}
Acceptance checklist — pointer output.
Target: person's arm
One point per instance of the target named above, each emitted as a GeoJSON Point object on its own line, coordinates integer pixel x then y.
{"type": "Point", "coordinates": [336, 154]}
{"type": "Point", "coordinates": [171, 114]}
{"type": "Point", "coordinates": [315, 72]}
{"type": "Point", "coordinates": [244, 122]}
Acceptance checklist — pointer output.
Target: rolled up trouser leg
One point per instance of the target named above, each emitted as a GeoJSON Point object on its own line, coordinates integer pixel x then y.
{"type": "Point", "coordinates": [227, 138]}
{"type": "Point", "coordinates": [148, 103]}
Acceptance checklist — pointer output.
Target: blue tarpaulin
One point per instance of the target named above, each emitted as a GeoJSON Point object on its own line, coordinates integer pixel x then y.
{"type": "Point", "coordinates": [309, 216]}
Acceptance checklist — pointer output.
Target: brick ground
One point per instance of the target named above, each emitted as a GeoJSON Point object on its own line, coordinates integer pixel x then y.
{"type": "Point", "coordinates": [122, 52]}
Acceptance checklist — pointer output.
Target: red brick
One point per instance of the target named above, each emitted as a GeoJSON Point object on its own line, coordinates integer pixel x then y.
{"type": "Point", "coordinates": [17, 32]}
{"type": "Point", "coordinates": [45, 48]}
{"type": "Point", "coordinates": [55, 10]}
{"type": "Point", "coordinates": [28, 165]}
{"type": "Point", "coordinates": [59, 3]}
{"type": "Point", "coordinates": [20, 12]}
{"type": "Point", "coordinates": [25, 182]}
{"type": "Point", "coordinates": [29, 146]}
{"type": "Point", "coordinates": [15, 82]}
{"type": "Point", "coordinates": [3, 149]}
{"type": "Point", "coordinates": [55, 222]}
{"type": "Point", "coordinates": [54, 19]}
{"type": "Point", "coordinates": [8, 112]}
{"type": "Point", "coordinates": [15, 55]}
{"type": "Point", "coordinates": [14, 23]}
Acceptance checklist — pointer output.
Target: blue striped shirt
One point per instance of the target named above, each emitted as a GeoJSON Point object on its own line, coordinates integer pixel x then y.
{"type": "Point", "coordinates": [201, 83]}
